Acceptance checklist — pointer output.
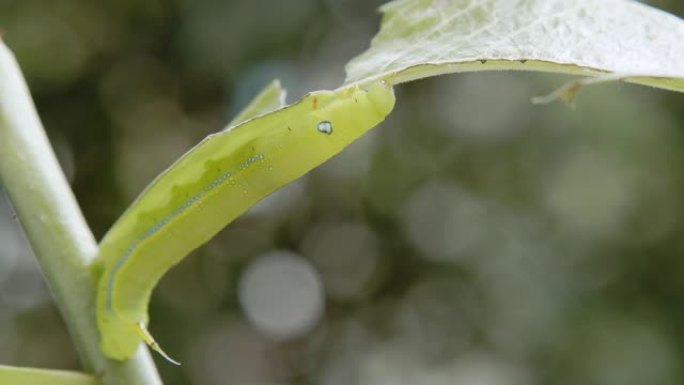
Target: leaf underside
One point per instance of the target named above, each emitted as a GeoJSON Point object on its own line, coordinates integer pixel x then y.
{"type": "Point", "coordinates": [622, 38]}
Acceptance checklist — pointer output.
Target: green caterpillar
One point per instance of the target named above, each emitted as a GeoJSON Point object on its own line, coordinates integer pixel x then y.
{"type": "Point", "coordinates": [211, 185]}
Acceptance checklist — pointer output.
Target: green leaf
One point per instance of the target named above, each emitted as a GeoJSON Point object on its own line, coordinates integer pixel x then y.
{"type": "Point", "coordinates": [623, 38]}
{"type": "Point", "coordinates": [269, 99]}
{"type": "Point", "coordinates": [32, 376]}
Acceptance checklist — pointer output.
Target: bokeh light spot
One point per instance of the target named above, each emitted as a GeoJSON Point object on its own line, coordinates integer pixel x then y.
{"type": "Point", "coordinates": [281, 295]}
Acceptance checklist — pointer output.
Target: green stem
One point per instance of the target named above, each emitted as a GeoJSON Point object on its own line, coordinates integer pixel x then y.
{"type": "Point", "coordinates": [54, 226]}
{"type": "Point", "coordinates": [15, 375]}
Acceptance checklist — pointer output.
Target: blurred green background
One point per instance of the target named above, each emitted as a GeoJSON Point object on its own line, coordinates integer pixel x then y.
{"type": "Point", "coordinates": [472, 238]}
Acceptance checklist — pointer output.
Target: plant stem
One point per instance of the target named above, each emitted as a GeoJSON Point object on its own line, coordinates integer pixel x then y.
{"type": "Point", "coordinates": [55, 228]}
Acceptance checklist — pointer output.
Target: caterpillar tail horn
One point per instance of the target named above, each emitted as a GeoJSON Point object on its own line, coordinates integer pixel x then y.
{"type": "Point", "coordinates": [152, 343]}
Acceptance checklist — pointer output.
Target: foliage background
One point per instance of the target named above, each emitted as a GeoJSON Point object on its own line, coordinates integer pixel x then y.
{"type": "Point", "coordinates": [472, 238]}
